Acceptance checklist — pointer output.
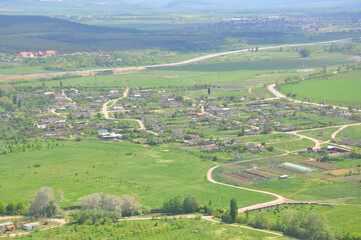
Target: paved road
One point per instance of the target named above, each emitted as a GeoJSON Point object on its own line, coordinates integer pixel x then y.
{"type": "Point", "coordinates": [186, 62]}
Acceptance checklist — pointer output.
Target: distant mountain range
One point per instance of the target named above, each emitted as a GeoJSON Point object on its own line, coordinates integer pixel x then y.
{"type": "Point", "coordinates": [197, 5]}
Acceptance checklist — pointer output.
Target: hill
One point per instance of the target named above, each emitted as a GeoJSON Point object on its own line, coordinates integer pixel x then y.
{"type": "Point", "coordinates": [33, 33]}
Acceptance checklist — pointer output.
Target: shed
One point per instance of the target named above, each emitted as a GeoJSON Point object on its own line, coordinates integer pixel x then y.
{"type": "Point", "coordinates": [30, 226]}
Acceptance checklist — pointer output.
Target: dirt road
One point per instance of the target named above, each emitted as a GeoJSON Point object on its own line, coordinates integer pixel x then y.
{"type": "Point", "coordinates": [105, 111]}
{"type": "Point", "coordinates": [279, 198]}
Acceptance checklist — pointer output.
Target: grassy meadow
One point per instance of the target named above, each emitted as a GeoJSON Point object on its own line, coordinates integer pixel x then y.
{"type": "Point", "coordinates": [340, 89]}
{"type": "Point", "coordinates": [153, 174]}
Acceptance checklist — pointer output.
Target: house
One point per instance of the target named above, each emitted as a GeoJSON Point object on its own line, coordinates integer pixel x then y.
{"type": "Point", "coordinates": [104, 134]}
{"type": "Point", "coordinates": [10, 227]}
{"type": "Point", "coordinates": [252, 148]}
{"type": "Point", "coordinates": [26, 54]}
{"type": "Point", "coordinates": [178, 132]}
{"type": "Point", "coordinates": [261, 148]}
{"type": "Point", "coordinates": [30, 226]}
{"type": "Point", "coordinates": [39, 54]}
{"type": "Point", "coordinates": [50, 53]}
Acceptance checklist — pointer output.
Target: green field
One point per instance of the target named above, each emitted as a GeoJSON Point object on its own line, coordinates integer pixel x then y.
{"type": "Point", "coordinates": [327, 132]}
{"type": "Point", "coordinates": [353, 132]}
{"type": "Point", "coordinates": [154, 229]}
{"type": "Point", "coordinates": [154, 174]}
{"type": "Point", "coordinates": [341, 89]}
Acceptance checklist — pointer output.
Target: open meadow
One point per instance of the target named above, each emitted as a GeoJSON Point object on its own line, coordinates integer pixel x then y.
{"type": "Point", "coordinates": [153, 174]}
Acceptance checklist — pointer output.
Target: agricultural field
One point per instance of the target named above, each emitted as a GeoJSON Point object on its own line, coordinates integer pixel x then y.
{"type": "Point", "coordinates": [155, 229]}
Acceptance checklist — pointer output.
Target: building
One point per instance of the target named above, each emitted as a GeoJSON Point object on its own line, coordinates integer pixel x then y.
{"type": "Point", "coordinates": [50, 53]}
{"type": "Point", "coordinates": [26, 54]}
{"type": "Point", "coordinates": [6, 224]}
{"type": "Point", "coordinates": [30, 226]}
{"type": "Point", "coordinates": [104, 134]}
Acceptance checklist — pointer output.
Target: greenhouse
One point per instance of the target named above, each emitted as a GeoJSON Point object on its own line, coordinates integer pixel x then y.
{"type": "Point", "coordinates": [298, 167]}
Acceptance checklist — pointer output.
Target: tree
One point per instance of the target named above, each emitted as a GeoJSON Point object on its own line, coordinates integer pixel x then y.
{"type": "Point", "coordinates": [19, 207]}
{"type": "Point", "coordinates": [190, 204]}
{"type": "Point", "coordinates": [11, 207]}
{"type": "Point", "coordinates": [173, 206]}
{"type": "Point", "coordinates": [2, 207]}
{"type": "Point", "coordinates": [130, 205]}
{"type": "Point", "coordinates": [51, 209]}
{"type": "Point", "coordinates": [41, 201]}
{"type": "Point", "coordinates": [19, 103]}
{"type": "Point", "coordinates": [304, 52]}
{"type": "Point", "coordinates": [234, 209]}
{"type": "Point", "coordinates": [14, 99]}
{"type": "Point", "coordinates": [91, 201]}
{"type": "Point", "coordinates": [111, 203]}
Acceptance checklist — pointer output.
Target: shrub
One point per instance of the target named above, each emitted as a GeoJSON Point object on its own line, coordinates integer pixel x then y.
{"type": "Point", "coordinates": [190, 204]}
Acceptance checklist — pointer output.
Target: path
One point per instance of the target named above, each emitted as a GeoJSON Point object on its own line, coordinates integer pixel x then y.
{"type": "Point", "coordinates": [279, 95]}
{"type": "Point", "coordinates": [186, 62]}
{"type": "Point", "coordinates": [105, 112]}
{"type": "Point", "coordinates": [209, 218]}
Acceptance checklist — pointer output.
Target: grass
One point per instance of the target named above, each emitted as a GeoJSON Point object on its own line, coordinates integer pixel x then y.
{"type": "Point", "coordinates": [154, 229]}
{"type": "Point", "coordinates": [154, 174]}
{"type": "Point", "coordinates": [353, 132]}
{"type": "Point", "coordinates": [340, 89]}
{"type": "Point", "coordinates": [327, 132]}
{"type": "Point", "coordinates": [340, 218]}
{"type": "Point", "coordinates": [294, 145]}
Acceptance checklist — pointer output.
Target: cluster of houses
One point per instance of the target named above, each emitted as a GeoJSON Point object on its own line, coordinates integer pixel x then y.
{"type": "Point", "coordinates": [39, 54]}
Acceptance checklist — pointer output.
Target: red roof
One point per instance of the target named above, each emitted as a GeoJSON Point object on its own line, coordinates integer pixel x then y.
{"type": "Point", "coordinates": [50, 52]}
{"type": "Point", "coordinates": [25, 54]}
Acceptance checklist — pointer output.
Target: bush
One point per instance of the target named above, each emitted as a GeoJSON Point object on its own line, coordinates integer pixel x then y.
{"type": "Point", "coordinates": [190, 204]}
{"type": "Point", "coordinates": [261, 220]}
{"type": "Point", "coordinates": [93, 216]}
{"type": "Point", "coordinates": [226, 217]}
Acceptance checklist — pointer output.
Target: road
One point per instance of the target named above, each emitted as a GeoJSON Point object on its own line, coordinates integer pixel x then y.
{"type": "Point", "coordinates": [186, 62]}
